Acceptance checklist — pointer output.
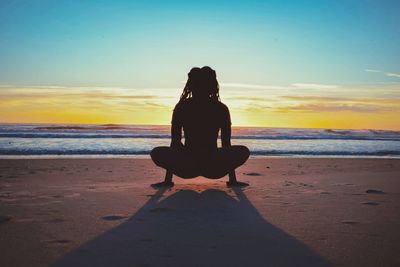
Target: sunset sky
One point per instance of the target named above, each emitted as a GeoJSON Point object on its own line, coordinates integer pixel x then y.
{"type": "Point", "coordinates": [313, 64]}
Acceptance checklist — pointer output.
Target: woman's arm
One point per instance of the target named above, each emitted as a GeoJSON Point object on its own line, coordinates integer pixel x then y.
{"type": "Point", "coordinates": [176, 126]}
{"type": "Point", "coordinates": [176, 135]}
{"type": "Point", "coordinates": [226, 135]}
{"type": "Point", "coordinates": [226, 130]}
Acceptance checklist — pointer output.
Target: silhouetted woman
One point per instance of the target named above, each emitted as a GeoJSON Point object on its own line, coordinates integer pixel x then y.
{"type": "Point", "coordinates": [201, 115]}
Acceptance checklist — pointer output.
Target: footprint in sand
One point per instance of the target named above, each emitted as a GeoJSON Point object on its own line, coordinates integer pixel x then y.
{"type": "Point", "coordinates": [350, 222]}
{"type": "Point", "coordinates": [374, 191]}
{"type": "Point", "coordinates": [113, 217]}
{"type": "Point", "coordinates": [370, 203]}
{"type": "Point", "coordinates": [252, 173]}
{"type": "Point", "coordinates": [307, 185]}
{"type": "Point", "coordinates": [325, 193]}
{"type": "Point", "coordinates": [289, 183]}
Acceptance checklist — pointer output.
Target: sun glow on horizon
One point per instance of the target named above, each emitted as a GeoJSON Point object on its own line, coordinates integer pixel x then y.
{"type": "Point", "coordinates": [291, 106]}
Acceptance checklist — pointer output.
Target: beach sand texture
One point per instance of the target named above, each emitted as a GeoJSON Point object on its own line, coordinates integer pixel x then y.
{"type": "Point", "coordinates": [296, 212]}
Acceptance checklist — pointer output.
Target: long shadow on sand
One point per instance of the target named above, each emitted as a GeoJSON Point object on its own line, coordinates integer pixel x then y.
{"type": "Point", "coordinates": [188, 228]}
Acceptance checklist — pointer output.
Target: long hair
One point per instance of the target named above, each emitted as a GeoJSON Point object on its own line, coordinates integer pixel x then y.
{"type": "Point", "coordinates": [204, 79]}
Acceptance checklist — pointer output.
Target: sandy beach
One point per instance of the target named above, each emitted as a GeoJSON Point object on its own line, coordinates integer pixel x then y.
{"type": "Point", "coordinates": [296, 212]}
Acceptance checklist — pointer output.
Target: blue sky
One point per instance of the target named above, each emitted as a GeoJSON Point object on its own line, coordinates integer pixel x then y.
{"type": "Point", "coordinates": [154, 43]}
{"type": "Point", "coordinates": [282, 49]}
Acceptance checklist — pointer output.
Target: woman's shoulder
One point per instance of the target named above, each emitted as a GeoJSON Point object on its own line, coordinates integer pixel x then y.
{"type": "Point", "coordinates": [182, 104]}
{"type": "Point", "coordinates": [222, 106]}
{"type": "Point", "coordinates": [186, 103]}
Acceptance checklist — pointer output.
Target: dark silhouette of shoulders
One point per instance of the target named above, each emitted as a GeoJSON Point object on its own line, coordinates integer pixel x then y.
{"type": "Point", "coordinates": [211, 112]}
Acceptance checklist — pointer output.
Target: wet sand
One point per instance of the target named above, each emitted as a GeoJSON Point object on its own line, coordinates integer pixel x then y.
{"type": "Point", "coordinates": [296, 212]}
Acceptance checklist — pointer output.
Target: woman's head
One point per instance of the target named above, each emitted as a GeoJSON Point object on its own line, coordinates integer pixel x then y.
{"type": "Point", "coordinates": [201, 84]}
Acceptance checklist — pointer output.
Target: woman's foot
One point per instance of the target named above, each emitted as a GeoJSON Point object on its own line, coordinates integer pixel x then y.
{"type": "Point", "coordinates": [233, 182]}
{"type": "Point", "coordinates": [163, 184]}
{"type": "Point", "coordinates": [236, 183]}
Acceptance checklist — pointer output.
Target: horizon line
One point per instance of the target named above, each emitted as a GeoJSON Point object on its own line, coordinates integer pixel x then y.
{"type": "Point", "coordinates": [233, 126]}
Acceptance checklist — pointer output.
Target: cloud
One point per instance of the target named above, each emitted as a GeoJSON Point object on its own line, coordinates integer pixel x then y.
{"type": "Point", "coordinates": [250, 98]}
{"type": "Point", "coordinates": [158, 105]}
{"type": "Point", "coordinates": [128, 96]}
{"type": "Point", "coordinates": [252, 86]}
{"type": "Point", "coordinates": [254, 107]}
{"type": "Point", "coordinates": [82, 92]}
{"type": "Point", "coordinates": [326, 107]}
{"type": "Point", "coordinates": [391, 74]}
{"type": "Point", "coordinates": [314, 86]}
{"type": "Point", "coordinates": [372, 70]}
{"type": "Point", "coordinates": [273, 87]}
{"type": "Point", "coordinates": [29, 99]}
{"type": "Point", "coordinates": [313, 98]}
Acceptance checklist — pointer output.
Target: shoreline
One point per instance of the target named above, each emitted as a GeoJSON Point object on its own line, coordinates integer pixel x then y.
{"type": "Point", "coordinates": [147, 156]}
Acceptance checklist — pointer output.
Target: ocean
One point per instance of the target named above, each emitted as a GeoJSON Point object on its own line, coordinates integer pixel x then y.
{"type": "Point", "coordinates": [109, 140]}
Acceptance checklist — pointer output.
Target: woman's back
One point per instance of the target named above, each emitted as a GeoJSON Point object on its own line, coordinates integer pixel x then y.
{"type": "Point", "coordinates": [201, 122]}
